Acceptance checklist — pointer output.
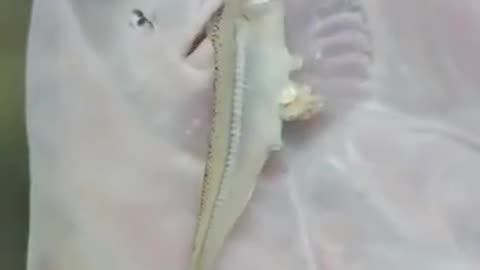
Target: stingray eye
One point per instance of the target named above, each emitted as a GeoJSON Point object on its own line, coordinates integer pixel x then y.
{"type": "Point", "coordinates": [139, 20]}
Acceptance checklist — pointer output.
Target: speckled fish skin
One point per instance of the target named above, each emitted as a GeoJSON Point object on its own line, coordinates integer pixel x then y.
{"type": "Point", "coordinates": [252, 66]}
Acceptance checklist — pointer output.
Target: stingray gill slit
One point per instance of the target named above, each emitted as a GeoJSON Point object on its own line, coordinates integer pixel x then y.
{"type": "Point", "coordinates": [341, 43]}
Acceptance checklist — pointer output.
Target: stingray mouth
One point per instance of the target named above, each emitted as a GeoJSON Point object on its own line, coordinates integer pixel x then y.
{"type": "Point", "coordinates": [201, 34]}
{"type": "Point", "coordinates": [338, 46]}
{"type": "Point", "coordinates": [198, 38]}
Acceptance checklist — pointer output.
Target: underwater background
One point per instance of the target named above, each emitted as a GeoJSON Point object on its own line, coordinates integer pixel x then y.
{"type": "Point", "coordinates": [14, 16]}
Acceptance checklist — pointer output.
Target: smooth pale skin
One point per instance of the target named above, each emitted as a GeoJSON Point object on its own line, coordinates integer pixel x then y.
{"type": "Point", "coordinates": [386, 178]}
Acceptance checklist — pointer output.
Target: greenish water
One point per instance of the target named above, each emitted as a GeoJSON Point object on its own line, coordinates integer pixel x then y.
{"type": "Point", "coordinates": [14, 15]}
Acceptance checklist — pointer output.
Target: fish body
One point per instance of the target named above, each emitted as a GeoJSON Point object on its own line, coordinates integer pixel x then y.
{"type": "Point", "coordinates": [251, 77]}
